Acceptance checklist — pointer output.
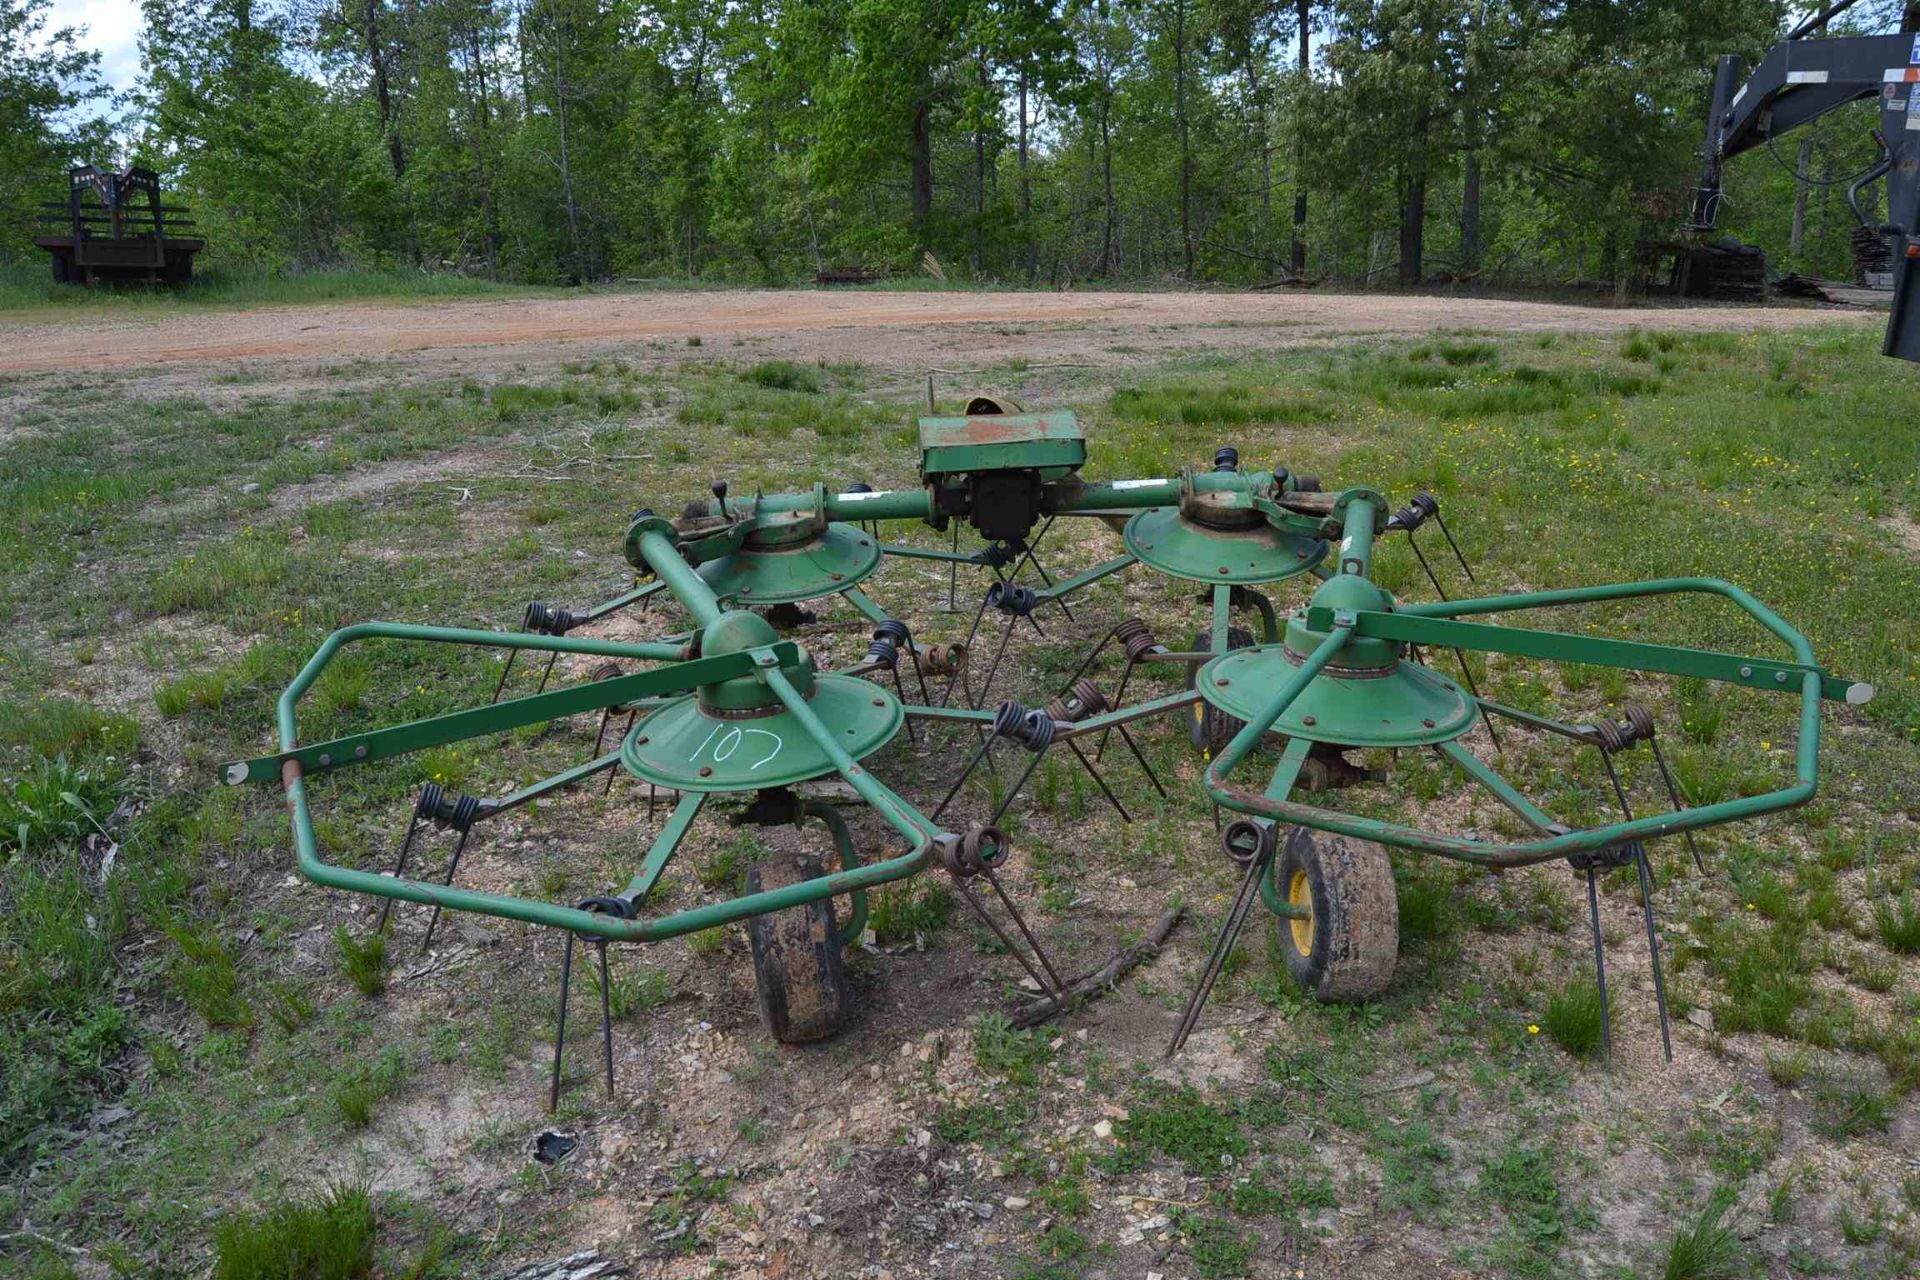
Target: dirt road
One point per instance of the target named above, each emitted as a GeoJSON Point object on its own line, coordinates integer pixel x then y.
{"type": "Point", "coordinates": [878, 328]}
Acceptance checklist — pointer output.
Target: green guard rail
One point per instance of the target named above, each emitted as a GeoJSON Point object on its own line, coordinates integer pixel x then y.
{"type": "Point", "coordinates": [1812, 682]}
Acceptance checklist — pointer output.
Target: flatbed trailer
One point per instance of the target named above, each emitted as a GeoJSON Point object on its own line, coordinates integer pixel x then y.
{"type": "Point", "coordinates": [113, 226]}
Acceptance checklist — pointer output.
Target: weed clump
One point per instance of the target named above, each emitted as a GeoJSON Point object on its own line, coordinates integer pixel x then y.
{"type": "Point", "coordinates": [1576, 1019]}
{"type": "Point", "coordinates": [364, 963]}
{"type": "Point", "coordinates": [1709, 1249]}
{"type": "Point", "coordinates": [329, 1237]}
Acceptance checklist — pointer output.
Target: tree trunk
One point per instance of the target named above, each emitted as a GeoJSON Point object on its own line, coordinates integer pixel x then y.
{"type": "Point", "coordinates": [980, 177]}
{"type": "Point", "coordinates": [1180, 118]}
{"type": "Point", "coordinates": [1298, 258]}
{"type": "Point", "coordinates": [1032, 250]}
{"type": "Point", "coordinates": [382, 90]}
{"type": "Point", "coordinates": [1797, 238]}
{"type": "Point", "coordinates": [1470, 213]}
{"type": "Point", "coordinates": [1106, 179]}
{"type": "Point", "coordinates": [1413, 228]}
{"type": "Point", "coordinates": [920, 154]}
{"type": "Point", "coordinates": [566, 165]}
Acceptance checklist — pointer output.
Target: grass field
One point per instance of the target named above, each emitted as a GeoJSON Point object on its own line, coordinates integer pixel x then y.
{"type": "Point", "coordinates": [201, 1065]}
{"type": "Point", "coordinates": [28, 289]}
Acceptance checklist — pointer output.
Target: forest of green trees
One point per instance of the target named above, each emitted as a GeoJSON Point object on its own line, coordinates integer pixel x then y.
{"type": "Point", "coordinates": [1045, 141]}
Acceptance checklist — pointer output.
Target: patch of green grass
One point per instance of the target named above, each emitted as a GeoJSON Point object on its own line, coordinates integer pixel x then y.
{"type": "Point", "coordinates": [208, 579]}
{"type": "Point", "coordinates": [363, 1087]}
{"type": "Point", "coordinates": [1764, 972]}
{"type": "Point", "coordinates": [1219, 1249]}
{"type": "Point", "coordinates": [206, 974]}
{"type": "Point", "coordinates": [1182, 1124]}
{"type": "Point", "coordinates": [1016, 1056]}
{"type": "Point", "coordinates": [1898, 922]}
{"type": "Point", "coordinates": [1522, 1182]}
{"type": "Point", "coordinates": [54, 727]}
{"type": "Point", "coordinates": [330, 1236]}
{"type": "Point", "coordinates": [363, 961]}
{"type": "Point", "coordinates": [908, 910]}
{"type": "Point", "coordinates": [1709, 1249]}
{"type": "Point", "coordinates": [1846, 1109]}
{"type": "Point", "coordinates": [785, 375]}
{"type": "Point", "coordinates": [1411, 1157]}
{"type": "Point", "coordinates": [1576, 1018]}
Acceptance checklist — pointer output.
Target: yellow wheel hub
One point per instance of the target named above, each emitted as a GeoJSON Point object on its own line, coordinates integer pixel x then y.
{"type": "Point", "coordinates": [1300, 894]}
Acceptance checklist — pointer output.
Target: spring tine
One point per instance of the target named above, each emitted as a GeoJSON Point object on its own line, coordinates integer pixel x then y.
{"type": "Point", "coordinates": [1119, 700]}
{"type": "Point", "coordinates": [560, 1032]}
{"type": "Point", "coordinates": [1059, 988]}
{"type": "Point", "coordinates": [1448, 534]}
{"type": "Point", "coordinates": [606, 1017]}
{"type": "Point", "coordinates": [913, 652]}
{"type": "Point", "coordinates": [505, 671]}
{"type": "Point", "coordinates": [1137, 755]}
{"type": "Point", "coordinates": [1673, 794]}
{"type": "Point", "coordinates": [399, 869]}
{"type": "Point", "coordinates": [966, 667]}
{"type": "Point", "coordinates": [1013, 949]}
{"type": "Point", "coordinates": [1653, 943]}
{"type": "Point", "coordinates": [1098, 781]}
{"type": "Point", "coordinates": [1599, 963]}
{"type": "Point", "coordinates": [1217, 958]}
{"type": "Point", "coordinates": [1473, 688]}
{"type": "Point", "coordinates": [985, 747]}
{"type": "Point", "coordinates": [1016, 788]}
{"type": "Point", "coordinates": [615, 771]}
{"type": "Point", "coordinates": [987, 683]}
{"type": "Point", "coordinates": [653, 793]}
{"type": "Point", "coordinates": [1041, 569]}
{"type": "Point", "coordinates": [953, 577]}
{"type": "Point", "coordinates": [453, 865]}
{"type": "Point", "coordinates": [600, 734]}
{"type": "Point", "coordinates": [1638, 849]}
{"type": "Point", "coordinates": [548, 673]}
{"type": "Point", "coordinates": [1421, 556]}
{"type": "Point", "coordinates": [913, 734]}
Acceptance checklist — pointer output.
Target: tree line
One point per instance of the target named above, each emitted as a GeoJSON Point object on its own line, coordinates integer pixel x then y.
{"type": "Point", "coordinates": [1042, 141]}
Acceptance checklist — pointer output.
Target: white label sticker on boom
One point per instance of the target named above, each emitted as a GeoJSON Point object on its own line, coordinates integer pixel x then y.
{"type": "Point", "coordinates": [1137, 484]}
{"type": "Point", "coordinates": [861, 497]}
{"type": "Point", "coordinates": [1806, 77]}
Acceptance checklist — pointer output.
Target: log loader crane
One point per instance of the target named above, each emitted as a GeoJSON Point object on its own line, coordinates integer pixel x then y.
{"type": "Point", "coordinates": [1799, 81]}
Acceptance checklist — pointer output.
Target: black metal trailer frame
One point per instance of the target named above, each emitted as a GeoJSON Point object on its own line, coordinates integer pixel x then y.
{"type": "Point", "coordinates": [116, 228]}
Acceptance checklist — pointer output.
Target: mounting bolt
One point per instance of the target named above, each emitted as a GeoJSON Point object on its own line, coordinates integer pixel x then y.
{"type": "Point", "coordinates": [1309, 721]}
{"type": "Point", "coordinates": [1746, 673]}
{"type": "Point", "coordinates": [325, 758]}
{"type": "Point", "coordinates": [1223, 683]}
{"type": "Point", "coordinates": [360, 752]}
{"type": "Point", "coordinates": [1779, 677]}
{"type": "Point", "coordinates": [706, 771]}
{"type": "Point", "coordinates": [1427, 724]}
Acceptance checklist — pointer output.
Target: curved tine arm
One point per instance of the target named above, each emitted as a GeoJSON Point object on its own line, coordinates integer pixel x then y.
{"type": "Point", "coordinates": [1547, 849]}
{"type": "Point", "coordinates": [1802, 651]}
{"type": "Point", "coordinates": [1086, 578]}
{"type": "Point", "coordinates": [393, 740]}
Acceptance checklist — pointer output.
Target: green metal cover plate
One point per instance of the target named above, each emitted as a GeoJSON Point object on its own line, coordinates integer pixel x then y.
{"type": "Point", "coordinates": [1414, 706]}
{"type": "Point", "coordinates": [1163, 539]}
{"type": "Point", "coordinates": [683, 747]}
{"type": "Point", "coordinates": [1050, 443]}
{"type": "Point", "coordinates": [834, 561]}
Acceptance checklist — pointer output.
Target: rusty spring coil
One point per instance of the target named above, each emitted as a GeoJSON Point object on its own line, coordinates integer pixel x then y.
{"type": "Point", "coordinates": [1012, 597]}
{"type": "Point", "coordinates": [547, 620]}
{"type": "Point", "coordinates": [1635, 725]}
{"type": "Point", "coordinates": [1136, 639]}
{"type": "Point", "coordinates": [605, 671]}
{"type": "Point", "coordinates": [941, 659]}
{"type": "Point", "coordinates": [448, 812]}
{"type": "Point", "coordinates": [980, 851]}
{"type": "Point", "coordinates": [1081, 699]}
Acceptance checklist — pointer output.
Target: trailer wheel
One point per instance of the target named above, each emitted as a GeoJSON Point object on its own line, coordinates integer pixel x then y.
{"type": "Point", "coordinates": [796, 957]}
{"type": "Point", "coordinates": [1210, 730]}
{"type": "Point", "coordinates": [1346, 947]}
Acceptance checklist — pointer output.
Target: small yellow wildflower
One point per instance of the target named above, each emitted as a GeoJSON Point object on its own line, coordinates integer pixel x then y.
{"type": "Point", "coordinates": [1533, 1028]}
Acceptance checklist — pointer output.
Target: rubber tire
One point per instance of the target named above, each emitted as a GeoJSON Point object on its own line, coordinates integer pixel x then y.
{"type": "Point", "coordinates": [1354, 934]}
{"type": "Point", "coordinates": [796, 957]}
{"type": "Point", "coordinates": [1209, 730]}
